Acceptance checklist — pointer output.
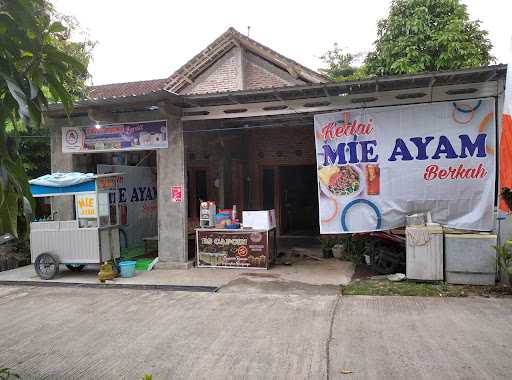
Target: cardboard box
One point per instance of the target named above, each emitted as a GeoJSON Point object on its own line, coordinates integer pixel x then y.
{"type": "Point", "coordinates": [260, 220]}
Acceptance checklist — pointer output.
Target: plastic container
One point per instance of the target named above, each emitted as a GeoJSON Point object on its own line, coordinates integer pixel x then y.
{"type": "Point", "coordinates": [143, 264]}
{"type": "Point", "coordinates": [222, 219]}
{"type": "Point", "coordinates": [127, 268]}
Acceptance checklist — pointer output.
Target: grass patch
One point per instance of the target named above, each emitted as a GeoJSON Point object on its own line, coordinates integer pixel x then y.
{"type": "Point", "coordinates": [384, 287]}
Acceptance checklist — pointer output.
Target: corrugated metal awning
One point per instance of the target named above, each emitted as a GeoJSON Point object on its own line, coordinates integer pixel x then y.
{"type": "Point", "coordinates": [379, 84]}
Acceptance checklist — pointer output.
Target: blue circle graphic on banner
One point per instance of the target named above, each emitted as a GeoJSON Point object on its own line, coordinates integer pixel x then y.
{"type": "Point", "coordinates": [362, 201]}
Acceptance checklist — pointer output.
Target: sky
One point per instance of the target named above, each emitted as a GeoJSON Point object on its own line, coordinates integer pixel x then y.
{"type": "Point", "coordinates": [138, 40]}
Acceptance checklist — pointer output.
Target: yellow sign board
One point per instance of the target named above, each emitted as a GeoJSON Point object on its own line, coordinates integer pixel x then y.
{"type": "Point", "coordinates": [86, 205]}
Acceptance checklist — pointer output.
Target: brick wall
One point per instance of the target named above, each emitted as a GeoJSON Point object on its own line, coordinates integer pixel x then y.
{"type": "Point", "coordinates": [258, 77]}
{"type": "Point", "coordinates": [222, 76]}
{"type": "Point", "coordinates": [283, 146]}
{"type": "Point", "coordinates": [267, 148]}
{"type": "Point", "coordinates": [260, 73]}
{"type": "Point", "coordinates": [225, 75]}
{"type": "Point", "coordinates": [201, 154]}
{"type": "Point", "coordinates": [274, 147]}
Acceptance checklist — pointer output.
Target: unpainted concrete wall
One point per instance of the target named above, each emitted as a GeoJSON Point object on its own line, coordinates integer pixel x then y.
{"type": "Point", "coordinates": [62, 207]}
{"type": "Point", "coordinates": [172, 216]}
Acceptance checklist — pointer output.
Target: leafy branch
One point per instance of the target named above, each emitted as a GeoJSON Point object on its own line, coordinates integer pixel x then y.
{"type": "Point", "coordinates": [32, 58]}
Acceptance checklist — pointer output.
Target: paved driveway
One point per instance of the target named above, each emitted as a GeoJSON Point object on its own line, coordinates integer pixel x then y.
{"type": "Point", "coordinates": [71, 333]}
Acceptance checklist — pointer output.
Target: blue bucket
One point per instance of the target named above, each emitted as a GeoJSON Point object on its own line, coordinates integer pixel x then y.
{"type": "Point", "coordinates": [127, 268]}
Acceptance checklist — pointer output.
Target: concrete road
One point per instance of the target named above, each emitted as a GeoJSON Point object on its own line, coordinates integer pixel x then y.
{"type": "Point", "coordinates": [77, 333]}
{"type": "Point", "coordinates": [422, 338]}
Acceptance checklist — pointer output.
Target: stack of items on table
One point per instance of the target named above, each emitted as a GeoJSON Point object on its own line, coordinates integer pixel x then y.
{"type": "Point", "coordinates": [209, 218]}
{"type": "Point", "coordinates": [227, 219]}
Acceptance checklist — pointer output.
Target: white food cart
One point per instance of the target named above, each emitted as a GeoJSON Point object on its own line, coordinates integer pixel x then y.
{"type": "Point", "coordinates": [92, 238]}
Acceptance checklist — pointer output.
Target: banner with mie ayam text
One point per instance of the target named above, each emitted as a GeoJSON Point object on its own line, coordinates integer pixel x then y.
{"type": "Point", "coordinates": [377, 165]}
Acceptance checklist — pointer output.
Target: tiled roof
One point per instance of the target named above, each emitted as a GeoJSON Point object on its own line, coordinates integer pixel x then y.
{"type": "Point", "coordinates": [115, 90]}
{"type": "Point", "coordinates": [354, 90]}
{"type": "Point", "coordinates": [199, 63]}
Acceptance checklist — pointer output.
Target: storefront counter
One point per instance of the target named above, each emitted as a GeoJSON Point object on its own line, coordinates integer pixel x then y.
{"type": "Point", "coordinates": [242, 248]}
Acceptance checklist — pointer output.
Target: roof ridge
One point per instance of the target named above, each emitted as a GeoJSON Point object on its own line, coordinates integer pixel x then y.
{"type": "Point", "coordinates": [221, 37]}
{"type": "Point", "coordinates": [243, 36]}
{"type": "Point", "coordinates": [205, 58]}
{"type": "Point", "coordinates": [231, 35]}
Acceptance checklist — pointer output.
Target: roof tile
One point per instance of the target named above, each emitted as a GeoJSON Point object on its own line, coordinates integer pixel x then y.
{"type": "Point", "coordinates": [126, 89]}
{"type": "Point", "coordinates": [201, 62]}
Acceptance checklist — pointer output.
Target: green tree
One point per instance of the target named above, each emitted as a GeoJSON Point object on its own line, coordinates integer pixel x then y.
{"type": "Point", "coordinates": [34, 150]}
{"type": "Point", "coordinates": [33, 66]}
{"type": "Point", "coordinates": [75, 79]}
{"type": "Point", "coordinates": [340, 65]}
{"type": "Point", "coordinates": [34, 142]}
{"type": "Point", "coordinates": [427, 35]}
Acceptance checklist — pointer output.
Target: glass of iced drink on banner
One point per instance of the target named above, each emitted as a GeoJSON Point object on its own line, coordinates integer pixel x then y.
{"type": "Point", "coordinates": [372, 179]}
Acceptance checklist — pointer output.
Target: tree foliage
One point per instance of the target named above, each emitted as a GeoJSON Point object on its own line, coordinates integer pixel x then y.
{"type": "Point", "coordinates": [34, 65]}
{"type": "Point", "coordinates": [34, 142]}
{"type": "Point", "coordinates": [35, 150]}
{"type": "Point", "coordinates": [74, 80]}
{"type": "Point", "coordinates": [427, 35]}
{"type": "Point", "coordinates": [340, 65]}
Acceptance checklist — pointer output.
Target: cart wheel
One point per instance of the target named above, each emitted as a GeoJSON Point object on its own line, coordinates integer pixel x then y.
{"type": "Point", "coordinates": [75, 267]}
{"type": "Point", "coordinates": [46, 266]}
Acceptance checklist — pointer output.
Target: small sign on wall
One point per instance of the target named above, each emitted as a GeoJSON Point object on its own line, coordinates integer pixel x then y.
{"type": "Point", "coordinates": [115, 137]}
{"type": "Point", "coordinates": [176, 193]}
{"type": "Point", "coordinates": [86, 205]}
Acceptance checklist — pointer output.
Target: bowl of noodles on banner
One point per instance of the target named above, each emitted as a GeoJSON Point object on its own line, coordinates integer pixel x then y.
{"type": "Point", "coordinates": [341, 181]}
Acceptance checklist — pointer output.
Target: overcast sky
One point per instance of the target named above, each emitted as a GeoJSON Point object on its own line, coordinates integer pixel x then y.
{"type": "Point", "coordinates": [150, 39]}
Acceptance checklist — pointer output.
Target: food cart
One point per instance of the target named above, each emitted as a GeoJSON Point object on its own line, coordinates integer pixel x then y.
{"type": "Point", "coordinates": [92, 238]}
